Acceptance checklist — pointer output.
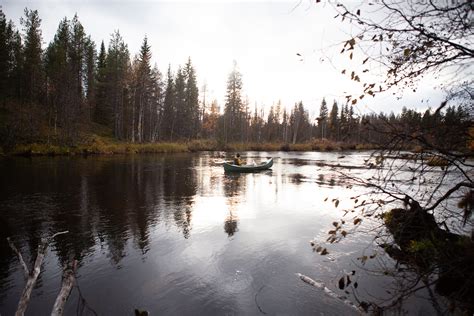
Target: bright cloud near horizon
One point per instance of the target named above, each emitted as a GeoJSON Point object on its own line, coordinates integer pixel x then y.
{"type": "Point", "coordinates": [286, 50]}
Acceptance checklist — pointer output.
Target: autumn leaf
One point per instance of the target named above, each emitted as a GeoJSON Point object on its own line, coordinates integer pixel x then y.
{"type": "Point", "coordinates": [341, 283]}
{"type": "Point", "coordinates": [357, 221]}
{"type": "Point", "coordinates": [406, 52]}
{"type": "Point", "coordinates": [363, 259]}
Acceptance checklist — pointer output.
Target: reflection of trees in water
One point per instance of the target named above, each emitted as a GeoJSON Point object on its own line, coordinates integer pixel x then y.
{"type": "Point", "coordinates": [296, 178]}
{"type": "Point", "coordinates": [99, 200]}
{"type": "Point", "coordinates": [234, 187]}
{"type": "Point", "coordinates": [6, 258]}
{"type": "Point", "coordinates": [180, 187]}
{"type": "Point", "coordinates": [231, 224]}
{"type": "Point", "coordinates": [234, 184]}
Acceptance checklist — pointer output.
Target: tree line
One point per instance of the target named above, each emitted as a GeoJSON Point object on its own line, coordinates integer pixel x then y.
{"type": "Point", "coordinates": [59, 93]}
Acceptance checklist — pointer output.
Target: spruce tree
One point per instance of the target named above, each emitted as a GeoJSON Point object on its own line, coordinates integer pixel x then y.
{"type": "Point", "coordinates": [169, 110]}
{"type": "Point", "coordinates": [102, 113]}
{"type": "Point", "coordinates": [323, 117]}
{"type": "Point", "coordinates": [233, 113]}
{"type": "Point", "coordinates": [33, 78]}
{"type": "Point", "coordinates": [192, 101]}
{"type": "Point", "coordinates": [334, 122]}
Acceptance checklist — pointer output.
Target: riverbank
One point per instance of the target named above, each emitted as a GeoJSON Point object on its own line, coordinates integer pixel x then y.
{"type": "Point", "coordinates": [97, 145]}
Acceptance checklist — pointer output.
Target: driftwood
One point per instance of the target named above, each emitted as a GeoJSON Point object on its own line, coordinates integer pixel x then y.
{"type": "Point", "coordinates": [327, 291]}
{"type": "Point", "coordinates": [32, 275]}
{"type": "Point", "coordinates": [67, 284]}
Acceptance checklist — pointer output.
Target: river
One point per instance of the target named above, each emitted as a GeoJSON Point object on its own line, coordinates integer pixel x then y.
{"type": "Point", "coordinates": [175, 235]}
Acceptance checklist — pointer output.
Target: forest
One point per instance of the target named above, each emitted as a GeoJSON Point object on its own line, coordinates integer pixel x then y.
{"type": "Point", "coordinates": [72, 90]}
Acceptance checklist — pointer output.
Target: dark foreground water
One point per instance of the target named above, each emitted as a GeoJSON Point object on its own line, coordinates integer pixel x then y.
{"type": "Point", "coordinates": [175, 235]}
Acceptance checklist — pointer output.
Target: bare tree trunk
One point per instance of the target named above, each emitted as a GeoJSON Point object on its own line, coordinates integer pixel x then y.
{"type": "Point", "coordinates": [67, 284]}
{"type": "Point", "coordinates": [32, 275]}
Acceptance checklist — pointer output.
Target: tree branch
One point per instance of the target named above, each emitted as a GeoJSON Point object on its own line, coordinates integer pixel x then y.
{"type": "Point", "coordinates": [26, 271]}
{"type": "Point", "coordinates": [449, 192]}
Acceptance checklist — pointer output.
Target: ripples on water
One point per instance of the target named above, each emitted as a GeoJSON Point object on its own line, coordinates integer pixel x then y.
{"type": "Point", "coordinates": [174, 234]}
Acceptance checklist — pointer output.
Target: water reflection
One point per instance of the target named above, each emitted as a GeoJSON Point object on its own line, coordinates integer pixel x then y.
{"type": "Point", "coordinates": [172, 232]}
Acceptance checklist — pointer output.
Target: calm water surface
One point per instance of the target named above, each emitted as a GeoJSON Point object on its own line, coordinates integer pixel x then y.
{"type": "Point", "coordinates": [174, 234]}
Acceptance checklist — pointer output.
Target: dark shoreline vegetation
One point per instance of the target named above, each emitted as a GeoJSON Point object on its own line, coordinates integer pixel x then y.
{"type": "Point", "coordinates": [101, 146]}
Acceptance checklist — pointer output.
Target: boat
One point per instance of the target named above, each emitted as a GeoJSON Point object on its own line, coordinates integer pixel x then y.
{"type": "Point", "coordinates": [229, 167]}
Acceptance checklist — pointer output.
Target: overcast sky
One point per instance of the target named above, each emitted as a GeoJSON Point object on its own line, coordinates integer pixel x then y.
{"type": "Point", "coordinates": [264, 39]}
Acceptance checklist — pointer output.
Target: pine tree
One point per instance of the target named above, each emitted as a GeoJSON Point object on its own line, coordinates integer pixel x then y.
{"type": "Point", "coordinates": [233, 113]}
{"type": "Point", "coordinates": [192, 101]}
{"type": "Point", "coordinates": [76, 60]}
{"type": "Point", "coordinates": [323, 117]}
{"type": "Point", "coordinates": [182, 114]}
{"type": "Point", "coordinates": [33, 77]}
{"type": "Point", "coordinates": [90, 76]}
{"type": "Point", "coordinates": [334, 122]}
{"type": "Point", "coordinates": [299, 123]}
{"type": "Point", "coordinates": [142, 95]}
{"type": "Point", "coordinates": [102, 113]}
{"type": "Point", "coordinates": [117, 76]}
{"type": "Point", "coordinates": [169, 110]}
{"type": "Point", "coordinates": [5, 59]}
{"type": "Point", "coordinates": [58, 74]}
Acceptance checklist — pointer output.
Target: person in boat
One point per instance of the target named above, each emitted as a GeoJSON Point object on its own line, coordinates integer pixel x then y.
{"type": "Point", "coordinates": [237, 160]}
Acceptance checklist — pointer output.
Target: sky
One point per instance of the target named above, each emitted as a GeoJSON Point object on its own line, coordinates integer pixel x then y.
{"type": "Point", "coordinates": [263, 37]}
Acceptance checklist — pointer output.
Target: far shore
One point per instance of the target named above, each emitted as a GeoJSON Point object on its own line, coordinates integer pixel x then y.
{"type": "Point", "coordinates": [103, 146]}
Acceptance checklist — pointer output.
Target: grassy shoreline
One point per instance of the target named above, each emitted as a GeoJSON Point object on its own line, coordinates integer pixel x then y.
{"type": "Point", "coordinates": [104, 146]}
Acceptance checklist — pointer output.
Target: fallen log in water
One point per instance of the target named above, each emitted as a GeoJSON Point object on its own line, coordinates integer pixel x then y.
{"type": "Point", "coordinates": [67, 284]}
{"type": "Point", "coordinates": [32, 275]}
{"type": "Point", "coordinates": [327, 291]}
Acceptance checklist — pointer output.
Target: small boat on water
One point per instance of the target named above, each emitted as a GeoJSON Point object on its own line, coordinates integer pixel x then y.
{"type": "Point", "coordinates": [229, 167]}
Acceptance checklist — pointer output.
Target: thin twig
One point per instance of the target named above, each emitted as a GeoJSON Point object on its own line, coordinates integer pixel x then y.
{"type": "Point", "coordinates": [259, 308]}
{"type": "Point", "coordinates": [20, 258]}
